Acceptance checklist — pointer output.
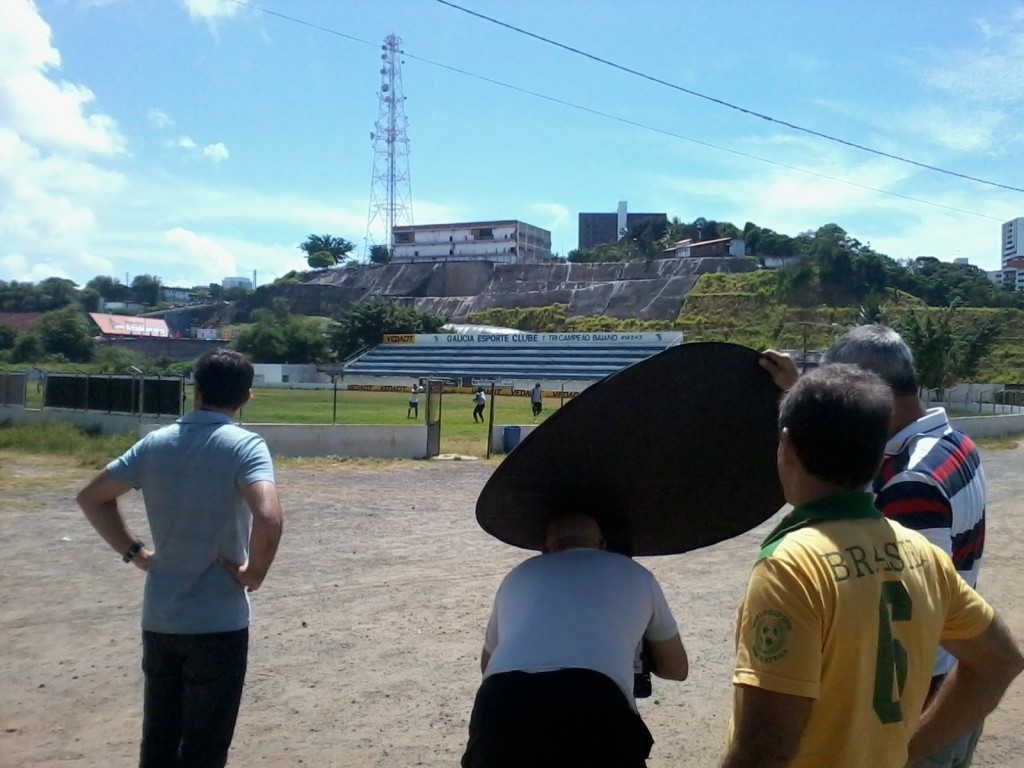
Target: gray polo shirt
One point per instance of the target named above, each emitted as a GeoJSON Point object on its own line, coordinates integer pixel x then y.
{"type": "Point", "coordinates": [191, 474]}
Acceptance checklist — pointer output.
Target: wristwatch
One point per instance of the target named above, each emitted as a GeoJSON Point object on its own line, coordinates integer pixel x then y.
{"type": "Point", "coordinates": [133, 550]}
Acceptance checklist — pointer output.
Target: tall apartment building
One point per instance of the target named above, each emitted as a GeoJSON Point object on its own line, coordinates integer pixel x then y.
{"type": "Point", "coordinates": [236, 282]}
{"type": "Point", "coordinates": [501, 242]}
{"type": "Point", "coordinates": [599, 228]}
{"type": "Point", "coordinates": [1013, 240]}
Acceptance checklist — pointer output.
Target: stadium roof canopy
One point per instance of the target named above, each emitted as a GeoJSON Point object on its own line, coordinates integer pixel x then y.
{"type": "Point", "coordinates": [472, 329]}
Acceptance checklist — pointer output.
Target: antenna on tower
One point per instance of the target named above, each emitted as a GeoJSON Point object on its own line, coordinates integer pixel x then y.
{"type": "Point", "coordinates": [390, 188]}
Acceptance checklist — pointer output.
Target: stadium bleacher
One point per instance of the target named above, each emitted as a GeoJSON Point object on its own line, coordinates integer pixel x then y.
{"type": "Point", "coordinates": [550, 361]}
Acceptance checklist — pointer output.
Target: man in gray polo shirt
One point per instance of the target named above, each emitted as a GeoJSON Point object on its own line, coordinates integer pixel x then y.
{"type": "Point", "coordinates": [208, 488]}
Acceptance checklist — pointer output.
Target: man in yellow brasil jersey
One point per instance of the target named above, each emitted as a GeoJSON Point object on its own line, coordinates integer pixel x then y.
{"type": "Point", "coordinates": [837, 633]}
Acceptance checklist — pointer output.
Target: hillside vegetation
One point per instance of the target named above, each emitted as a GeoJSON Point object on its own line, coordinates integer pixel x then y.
{"type": "Point", "coordinates": [761, 310]}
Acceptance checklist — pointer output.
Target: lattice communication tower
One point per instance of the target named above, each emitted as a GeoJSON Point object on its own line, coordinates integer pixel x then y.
{"type": "Point", "coordinates": [390, 188]}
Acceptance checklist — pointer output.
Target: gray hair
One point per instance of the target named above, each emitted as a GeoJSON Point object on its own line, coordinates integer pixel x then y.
{"type": "Point", "coordinates": [877, 348]}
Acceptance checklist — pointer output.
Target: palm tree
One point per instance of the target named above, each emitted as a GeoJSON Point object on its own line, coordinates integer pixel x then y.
{"type": "Point", "coordinates": [337, 247]}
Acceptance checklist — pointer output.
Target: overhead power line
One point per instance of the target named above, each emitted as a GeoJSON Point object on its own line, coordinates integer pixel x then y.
{"type": "Point", "coordinates": [619, 119]}
{"type": "Point", "coordinates": [727, 104]}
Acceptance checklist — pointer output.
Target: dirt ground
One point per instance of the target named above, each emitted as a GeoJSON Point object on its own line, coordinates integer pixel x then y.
{"type": "Point", "coordinates": [367, 633]}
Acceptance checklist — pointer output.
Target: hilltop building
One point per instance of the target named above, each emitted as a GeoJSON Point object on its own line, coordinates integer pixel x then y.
{"type": "Point", "coordinates": [1013, 240]}
{"type": "Point", "coordinates": [500, 242]}
{"type": "Point", "coordinates": [600, 228]}
{"type": "Point", "coordinates": [722, 246]}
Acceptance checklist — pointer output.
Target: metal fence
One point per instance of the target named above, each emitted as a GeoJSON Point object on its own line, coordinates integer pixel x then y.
{"type": "Point", "coordinates": [136, 395]}
{"type": "Point", "coordinates": [12, 388]}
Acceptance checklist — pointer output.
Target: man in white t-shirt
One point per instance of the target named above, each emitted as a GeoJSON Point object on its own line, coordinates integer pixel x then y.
{"type": "Point", "coordinates": [479, 401]}
{"type": "Point", "coordinates": [536, 400]}
{"type": "Point", "coordinates": [558, 657]}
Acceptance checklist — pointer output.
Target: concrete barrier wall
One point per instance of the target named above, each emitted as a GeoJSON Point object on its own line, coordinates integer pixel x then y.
{"type": "Point", "coordinates": [365, 441]}
{"type": "Point", "coordinates": [354, 441]}
{"type": "Point", "coordinates": [107, 423]}
{"type": "Point", "coordinates": [498, 435]}
{"type": "Point", "coordinates": [397, 442]}
{"type": "Point", "coordinates": [989, 426]}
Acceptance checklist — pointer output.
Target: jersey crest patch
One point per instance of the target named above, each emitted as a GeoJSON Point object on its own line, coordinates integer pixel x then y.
{"type": "Point", "coordinates": [771, 629]}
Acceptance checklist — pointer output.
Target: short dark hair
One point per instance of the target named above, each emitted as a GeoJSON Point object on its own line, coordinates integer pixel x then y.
{"type": "Point", "coordinates": [223, 378]}
{"type": "Point", "coordinates": [838, 418]}
{"type": "Point", "coordinates": [879, 349]}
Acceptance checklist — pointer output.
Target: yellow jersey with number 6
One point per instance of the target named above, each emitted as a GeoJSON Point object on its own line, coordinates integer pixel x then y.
{"type": "Point", "coordinates": [849, 612]}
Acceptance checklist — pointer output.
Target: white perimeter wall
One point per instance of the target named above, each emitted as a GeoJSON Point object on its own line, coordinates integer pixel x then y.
{"type": "Point", "coordinates": [353, 440]}
{"type": "Point", "coordinates": [108, 423]}
{"type": "Point", "coordinates": [384, 442]}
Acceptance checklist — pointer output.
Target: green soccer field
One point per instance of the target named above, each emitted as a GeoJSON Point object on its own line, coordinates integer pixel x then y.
{"type": "Point", "coordinates": [459, 434]}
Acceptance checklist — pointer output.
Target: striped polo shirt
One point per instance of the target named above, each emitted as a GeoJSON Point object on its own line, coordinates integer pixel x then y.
{"type": "Point", "coordinates": [931, 480]}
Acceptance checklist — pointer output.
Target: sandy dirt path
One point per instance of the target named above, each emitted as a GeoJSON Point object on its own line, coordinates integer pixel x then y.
{"type": "Point", "coordinates": [366, 636]}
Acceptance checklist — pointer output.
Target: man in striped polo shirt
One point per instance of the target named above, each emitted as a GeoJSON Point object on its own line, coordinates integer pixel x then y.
{"type": "Point", "coordinates": [931, 478]}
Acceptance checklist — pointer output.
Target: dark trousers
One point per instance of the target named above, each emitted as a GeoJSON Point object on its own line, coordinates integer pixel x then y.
{"type": "Point", "coordinates": [193, 690]}
{"type": "Point", "coordinates": [572, 717]}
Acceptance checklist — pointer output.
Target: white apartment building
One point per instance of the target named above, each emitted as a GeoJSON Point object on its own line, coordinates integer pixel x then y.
{"type": "Point", "coordinates": [1013, 240]}
{"type": "Point", "coordinates": [501, 242]}
{"type": "Point", "coordinates": [1013, 274]}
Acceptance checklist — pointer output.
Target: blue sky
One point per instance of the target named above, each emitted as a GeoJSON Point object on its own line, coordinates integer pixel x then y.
{"type": "Point", "coordinates": [197, 139]}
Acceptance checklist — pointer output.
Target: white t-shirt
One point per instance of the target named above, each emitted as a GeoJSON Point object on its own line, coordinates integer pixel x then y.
{"type": "Point", "coordinates": [581, 608]}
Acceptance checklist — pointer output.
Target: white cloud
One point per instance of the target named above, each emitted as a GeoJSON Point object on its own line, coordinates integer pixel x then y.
{"type": "Point", "coordinates": [205, 255]}
{"type": "Point", "coordinates": [990, 71]}
{"type": "Point", "coordinates": [216, 152]}
{"type": "Point", "coordinates": [182, 142]}
{"type": "Point", "coordinates": [51, 147]}
{"type": "Point", "coordinates": [210, 11]}
{"type": "Point", "coordinates": [954, 127]}
{"type": "Point", "coordinates": [159, 117]}
{"type": "Point", "coordinates": [551, 215]}
{"type": "Point", "coordinates": [48, 113]}
{"type": "Point", "coordinates": [789, 201]}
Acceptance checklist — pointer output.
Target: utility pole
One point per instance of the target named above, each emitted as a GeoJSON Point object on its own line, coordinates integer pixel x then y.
{"type": "Point", "coordinates": [390, 187]}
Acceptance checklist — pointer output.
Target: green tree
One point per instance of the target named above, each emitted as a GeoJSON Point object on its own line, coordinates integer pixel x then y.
{"type": "Point", "coordinates": [66, 332]}
{"type": "Point", "coordinates": [366, 323]}
{"type": "Point", "coordinates": [338, 247]}
{"type": "Point", "coordinates": [279, 337]}
{"type": "Point", "coordinates": [946, 349]}
{"type": "Point", "coordinates": [8, 336]}
{"type": "Point", "coordinates": [146, 290]}
{"type": "Point", "coordinates": [56, 292]}
{"type": "Point", "coordinates": [27, 348]}
{"type": "Point", "coordinates": [49, 294]}
{"type": "Point", "coordinates": [321, 260]}
{"type": "Point", "coordinates": [89, 299]}
{"type": "Point", "coordinates": [110, 288]}
{"type": "Point", "coordinates": [380, 254]}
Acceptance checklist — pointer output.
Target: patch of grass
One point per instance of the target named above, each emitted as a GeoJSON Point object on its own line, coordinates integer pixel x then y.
{"type": "Point", "coordinates": [459, 434]}
{"type": "Point", "coordinates": [23, 473]}
{"type": "Point", "coordinates": [1001, 443]}
{"type": "Point", "coordinates": [65, 439]}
